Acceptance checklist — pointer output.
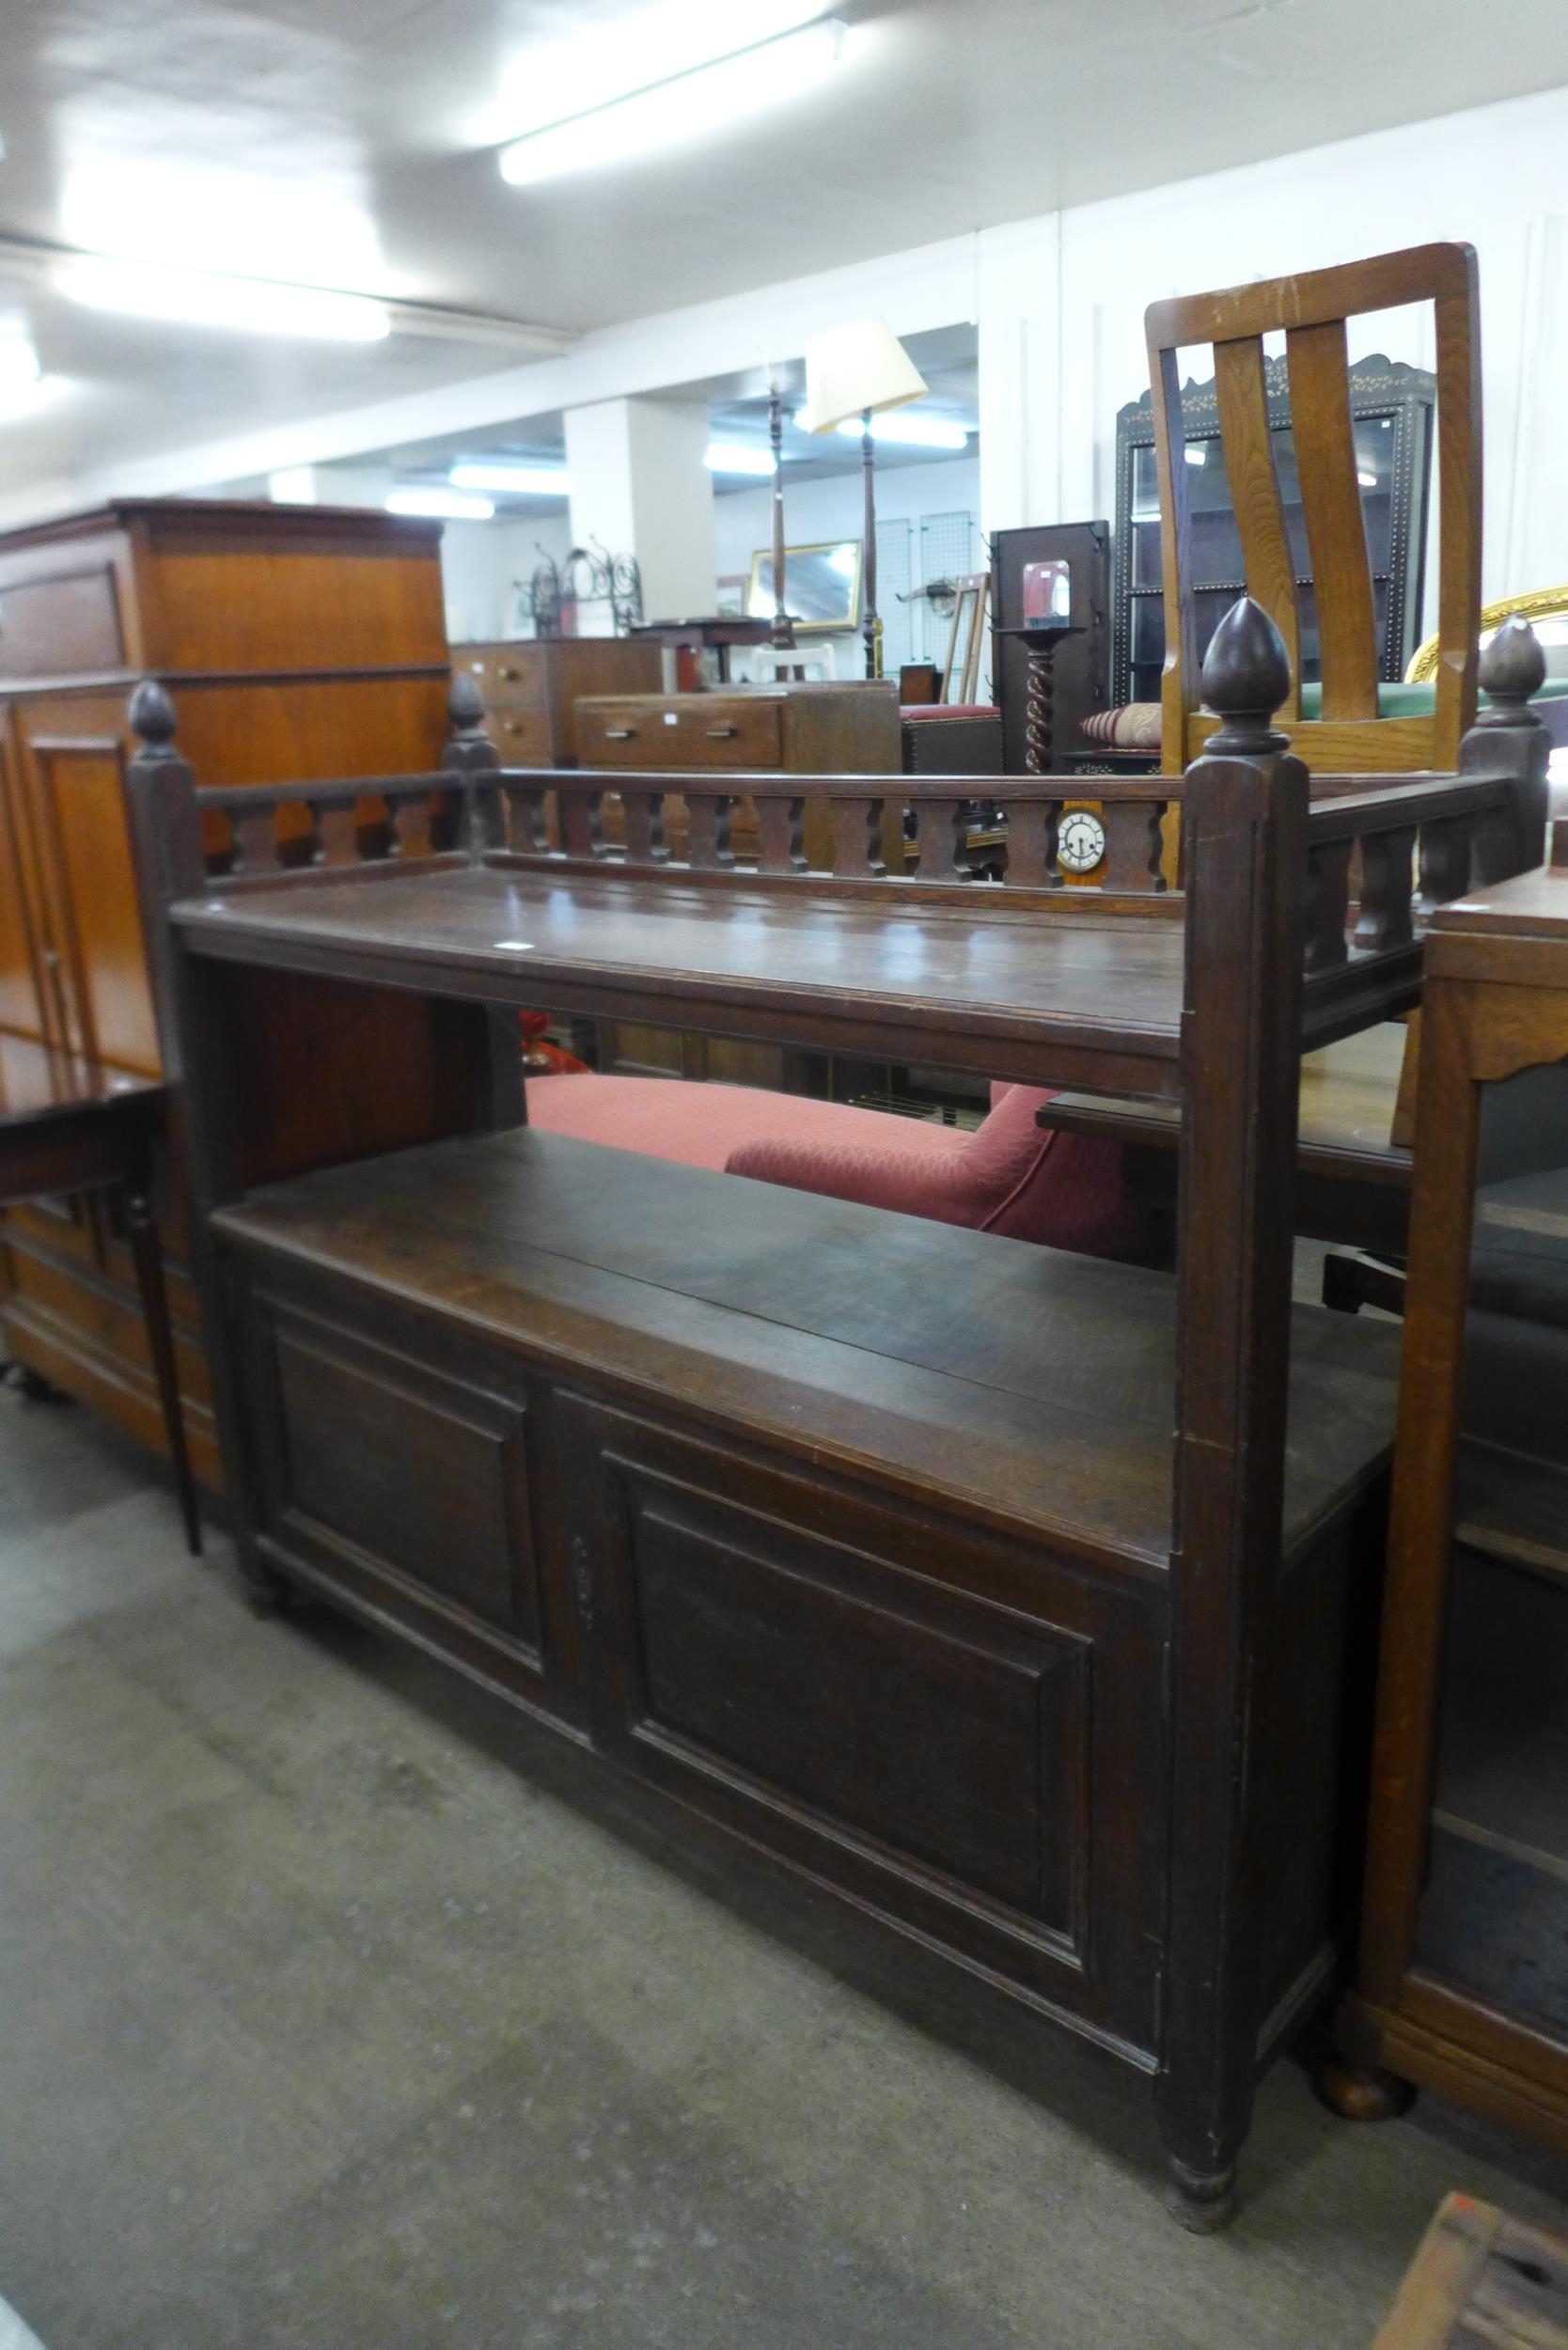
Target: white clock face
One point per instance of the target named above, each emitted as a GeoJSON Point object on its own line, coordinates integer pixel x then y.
{"type": "Point", "coordinates": [1080, 841]}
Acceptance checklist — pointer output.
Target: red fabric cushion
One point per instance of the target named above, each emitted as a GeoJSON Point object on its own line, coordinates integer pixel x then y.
{"type": "Point", "coordinates": [700, 1126]}
{"type": "Point", "coordinates": [1010, 1176]}
{"type": "Point", "coordinates": [1067, 1191]}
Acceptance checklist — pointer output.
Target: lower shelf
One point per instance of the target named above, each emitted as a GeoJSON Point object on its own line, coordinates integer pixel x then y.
{"type": "Point", "coordinates": [846, 1530]}
{"type": "Point", "coordinates": [1031, 1387]}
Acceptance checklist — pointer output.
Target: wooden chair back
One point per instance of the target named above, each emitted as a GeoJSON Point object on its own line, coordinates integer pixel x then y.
{"type": "Point", "coordinates": [1313, 310]}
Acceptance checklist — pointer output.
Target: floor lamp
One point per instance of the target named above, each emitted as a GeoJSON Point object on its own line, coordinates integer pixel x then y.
{"type": "Point", "coordinates": [858, 371]}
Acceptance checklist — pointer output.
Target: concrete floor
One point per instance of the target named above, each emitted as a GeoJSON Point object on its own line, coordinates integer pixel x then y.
{"type": "Point", "coordinates": [340, 2008]}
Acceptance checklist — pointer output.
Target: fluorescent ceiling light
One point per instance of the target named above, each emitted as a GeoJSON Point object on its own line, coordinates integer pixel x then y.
{"type": "Point", "coordinates": [299, 226]}
{"type": "Point", "coordinates": [691, 107]}
{"type": "Point", "coordinates": [1199, 456]}
{"type": "Point", "coordinates": [445, 503]}
{"type": "Point", "coordinates": [898, 425]}
{"type": "Point", "coordinates": [633, 50]}
{"type": "Point", "coordinates": [248, 305]}
{"type": "Point", "coordinates": [734, 456]}
{"type": "Point", "coordinates": [19, 364]}
{"type": "Point", "coordinates": [518, 482]}
{"type": "Point", "coordinates": [1367, 481]}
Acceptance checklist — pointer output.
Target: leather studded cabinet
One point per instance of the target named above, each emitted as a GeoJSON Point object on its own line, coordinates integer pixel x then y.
{"type": "Point", "coordinates": [296, 640]}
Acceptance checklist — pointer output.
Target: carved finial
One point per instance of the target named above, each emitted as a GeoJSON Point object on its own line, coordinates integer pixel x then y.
{"type": "Point", "coordinates": [1510, 670]}
{"type": "Point", "coordinates": [152, 716]}
{"type": "Point", "coordinates": [465, 704]}
{"type": "Point", "coordinates": [1246, 675]}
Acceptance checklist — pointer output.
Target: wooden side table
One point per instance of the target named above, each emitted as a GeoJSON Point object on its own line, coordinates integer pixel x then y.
{"type": "Point", "coordinates": [71, 1125]}
{"type": "Point", "coordinates": [1495, 1003]}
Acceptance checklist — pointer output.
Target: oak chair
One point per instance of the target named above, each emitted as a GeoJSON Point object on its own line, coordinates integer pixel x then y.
{"type": "Point", "coordinates": [1351, 734]}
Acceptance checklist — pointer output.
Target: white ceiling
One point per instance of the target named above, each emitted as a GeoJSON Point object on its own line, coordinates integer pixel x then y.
{"type": "Point", "coordinates": [946, 115]}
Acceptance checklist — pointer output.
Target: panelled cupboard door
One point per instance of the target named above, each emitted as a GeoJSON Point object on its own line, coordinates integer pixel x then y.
{"type": "Point", "coordinates": [97, 962]}
{"type": "Point", "coordinates": [807, 1667]}
{"type": "Point", "coordinates": [399, 1476]}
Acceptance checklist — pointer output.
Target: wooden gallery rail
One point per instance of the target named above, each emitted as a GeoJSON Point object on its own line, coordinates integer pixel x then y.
{"type": "Point", "coordinates": [869, 1538]}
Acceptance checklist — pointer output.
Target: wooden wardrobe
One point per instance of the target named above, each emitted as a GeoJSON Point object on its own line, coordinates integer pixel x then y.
{"type": "Point", "coordinates": [305, 641]}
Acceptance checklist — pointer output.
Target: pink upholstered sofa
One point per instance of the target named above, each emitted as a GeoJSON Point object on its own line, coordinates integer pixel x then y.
{"type": "Point", "coordinates": [1010, 1176]}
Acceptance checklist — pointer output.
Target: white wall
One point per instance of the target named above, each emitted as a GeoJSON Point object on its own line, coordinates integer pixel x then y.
{"type": "Point", "coordinates": [1062, 298]}
{"type": "Point", "coordinates": [480, 563]}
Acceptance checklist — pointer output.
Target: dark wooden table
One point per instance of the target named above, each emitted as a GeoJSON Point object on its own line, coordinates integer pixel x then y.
{"type": "Point", "coordinates": [66, 1125]}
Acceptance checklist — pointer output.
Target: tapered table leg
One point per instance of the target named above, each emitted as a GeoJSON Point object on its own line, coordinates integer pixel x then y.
{"type": "Point", "coordinates": [147, 1256]}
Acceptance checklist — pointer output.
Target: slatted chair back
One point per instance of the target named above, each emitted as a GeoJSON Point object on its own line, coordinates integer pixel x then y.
{"type": "Point", "coordinates": [1313, 310]}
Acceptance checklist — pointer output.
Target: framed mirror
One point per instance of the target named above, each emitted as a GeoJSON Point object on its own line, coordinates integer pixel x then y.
{"type": "Point", "coordinates": [821, 585]}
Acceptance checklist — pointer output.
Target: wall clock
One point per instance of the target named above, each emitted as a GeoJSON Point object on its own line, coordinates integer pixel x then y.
{"type": "Point", "coordinates": [1080, 841]}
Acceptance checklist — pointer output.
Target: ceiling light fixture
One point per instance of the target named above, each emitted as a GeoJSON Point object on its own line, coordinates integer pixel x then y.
{"type": "Point", "coordinates": [19, 364]}
{"type": "Point", "coordinates": [645, 42]}
{"type": "Point", "coordinates": [907, 432]}
{"type": "Point", "coordinates": [689, 105]}
{"type": "Point", "coordinates": [734, 456]}
{"type": "Point", "coordinates": [23, 386]}
{"type": "Point", "coordinates": [517, 481]}
{"type": "Point", "coordinates": [442, 505]}
{"type": "Point", "coordinates": [251, 306]}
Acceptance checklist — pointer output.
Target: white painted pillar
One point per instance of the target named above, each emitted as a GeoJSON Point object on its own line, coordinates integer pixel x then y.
{"type": "Point", "coordinates": [639, 487]}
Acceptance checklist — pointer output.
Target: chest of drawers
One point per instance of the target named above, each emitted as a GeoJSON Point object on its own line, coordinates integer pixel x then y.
{"type": "Point", "coordinates": [531, 690]}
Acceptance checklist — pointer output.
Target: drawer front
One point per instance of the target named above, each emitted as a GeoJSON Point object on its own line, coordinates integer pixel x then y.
{"type": "Point", "coordinates": [521, 735]}
{"type": "Point", "coordinates": [800, 1666]}
{"type": "Point", "coordinates": [707, 730]}
{"type": "Point", "coordinates": [506, 676]}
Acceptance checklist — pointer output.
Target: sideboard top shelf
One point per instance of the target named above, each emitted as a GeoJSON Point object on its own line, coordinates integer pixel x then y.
{"type": "Point", "coordinates": [1008, 991]}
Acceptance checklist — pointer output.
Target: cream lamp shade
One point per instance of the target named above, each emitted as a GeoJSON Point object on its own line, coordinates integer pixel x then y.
{"type": "Point", "coordinates": [852, 369]}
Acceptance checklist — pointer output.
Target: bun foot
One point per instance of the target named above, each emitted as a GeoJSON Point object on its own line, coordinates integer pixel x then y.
{"type": "Point", "coordinates": [1202, 2202]}
{"type": "Point", "coordinates": [1363, 2093]}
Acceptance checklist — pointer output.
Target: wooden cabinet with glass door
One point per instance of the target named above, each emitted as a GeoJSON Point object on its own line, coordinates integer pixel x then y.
{"type": "Point", "coordinates": [1460, 1983]}
{"type": "Point", "coordinates": [301, 640]}
{"type": "Point", "coordinates": [1391, 410]}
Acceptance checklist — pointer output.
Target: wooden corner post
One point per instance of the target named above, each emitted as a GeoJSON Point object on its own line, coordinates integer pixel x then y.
{"type": "Point", "coordinates": [1245, 861]}
{"type": "Point", "coordinates": [169, 863]}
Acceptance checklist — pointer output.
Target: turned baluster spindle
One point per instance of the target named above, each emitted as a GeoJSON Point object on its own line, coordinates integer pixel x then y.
{"type": "Point", "coordinates": [336, 832]}
{"type": "Point", "coordinates": [643, 827]}
{"type": "Point", "coordinates": [1031, 844]}
{"type": "Point", "coordinates": [1133, 846]}
{"type": "Point", "coordinates": [780, 835]}
{"type": "Point", "coordinates": [708, 847]}
{"type": "Point", "coordinates": [858, 840]}
{"type": "Point", "coordinates": [1327, 907]}
{"type": "Point", "coordinates": [1445, 861]}
{"type": "Point", "coordinates": [581, 828]}
{"type": "Point", "coordinates": [255, 843]}
{"type": "Point", "coordinates": [1387, 918]}
{"type": "Point", "coordinates": [526, 832]}
{"type": "Point", "coordinates": [412, 828]}
{"type": "Point", "coordinates": [941, 828]}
